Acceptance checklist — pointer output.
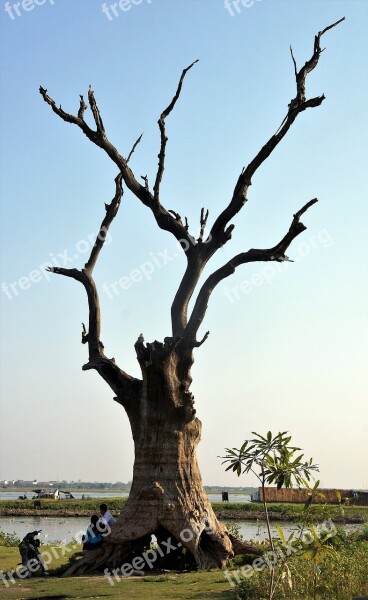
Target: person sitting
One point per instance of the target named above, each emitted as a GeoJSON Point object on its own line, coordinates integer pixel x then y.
{"type": "Point", "coordinates": [92, 538]}
{"type": "Point", "coordinates": [106, 516]}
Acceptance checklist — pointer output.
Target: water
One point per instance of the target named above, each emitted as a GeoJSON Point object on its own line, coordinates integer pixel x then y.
{"type": "Point", "coordinates": [256, 531]}
{"type": "Point", "coordinates": [11, 495]}
{"type": "Point", "coordinates": [54, 529]}
{"type": "Point", "coordinates": [59, 528]}
{"type": "Point", "coordinates": [232, 497]}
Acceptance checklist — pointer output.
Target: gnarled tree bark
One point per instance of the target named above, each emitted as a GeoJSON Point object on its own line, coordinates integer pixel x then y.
{"type": "Point", "coordinates": [167, 497]}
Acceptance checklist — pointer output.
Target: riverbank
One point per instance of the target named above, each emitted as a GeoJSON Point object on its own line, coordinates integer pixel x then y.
{"type": "Point", "coordinates": [240, 515]}
{"type": "Point", "coordinates": [235, 515]}
{"type": "Point", "coordinates": [224, 511]}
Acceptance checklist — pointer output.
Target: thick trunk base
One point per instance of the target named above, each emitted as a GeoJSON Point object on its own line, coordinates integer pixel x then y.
{"type": "Point", "coordinates": [176, 511]}
{"type": "Point", "coordinates": [167, 498]}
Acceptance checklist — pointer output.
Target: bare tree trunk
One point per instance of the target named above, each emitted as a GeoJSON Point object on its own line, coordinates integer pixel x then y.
{"type": "Point", "coordinates": [167, 496]}
{"type": "Point", "coordinates": [167, 490]}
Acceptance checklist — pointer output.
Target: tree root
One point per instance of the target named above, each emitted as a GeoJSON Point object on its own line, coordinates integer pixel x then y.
{"type": "Point", "coordinates": [209, 553]}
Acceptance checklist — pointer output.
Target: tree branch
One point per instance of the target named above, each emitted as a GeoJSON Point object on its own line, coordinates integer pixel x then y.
{"type": "Point", "coordinates": [111, 211]}
{"type": "Point", "coordinates": [125, 386]}
{"type": "Point", "coordinates": [134, 147]}
{"type": "Point", "coordinates": [202, 341]}
{"type": "Point", "coordinates": [163, 218]}
{"type": "Point", "coordinates": [203, 222]}
{"type": "Point", "coordinates": [221, 231]}
{"type": "Point", "coordinates": [179, 307]}
{"type": "Point", "coordinates": [94, 329]}
{"type": "Point", "coordinates": [294, 62]}
{"type": "Point", "coordinates": [96, 112]}
{"type": "Point", "coordinates": [176, 215]}
{"type": "Point", "coordinates": [84, 334]}
{"type": "Point", "coordinates": [277, 253]}
{"type": "Point", "coordinates": [296, 106]}
{"type": "Point", "coordinates": [82, 106]}
{"type": "Point", "coordinates": [164, 138]}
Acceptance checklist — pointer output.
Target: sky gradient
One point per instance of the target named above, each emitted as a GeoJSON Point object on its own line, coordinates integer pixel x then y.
{"type": "Point", "coordinates": [288, 348]}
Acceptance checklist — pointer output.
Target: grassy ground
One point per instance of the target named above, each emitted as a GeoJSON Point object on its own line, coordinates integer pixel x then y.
{"type": "Point", "coordinates": [341, 576]}
{"type": "Point", "coordinates": [289, 512]}
{"type": "Point", "coordinates": [226, 510]}
{"type": "Point", "coordinates": [211, 586]}
{"type": "Point", "coordinates": [341, 572]}
{"type": "Point", "coordinates": [91, 504]}
{"type": "Point", "coordinates": [186, 586]}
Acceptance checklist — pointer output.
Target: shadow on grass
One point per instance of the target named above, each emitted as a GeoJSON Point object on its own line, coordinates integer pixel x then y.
{"type": "Point", "coordinates": [53, 597]}
{"type": "Point", "coordinates": [61, 597]}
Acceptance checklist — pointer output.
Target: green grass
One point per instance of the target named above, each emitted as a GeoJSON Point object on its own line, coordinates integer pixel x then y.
{"type": "Point", "coordinates": [340, 579]}
{"type": "Point", "coordinates": [10, 558]}
{"type": "Point", "coordinates": [171, 586]}
{"type": "Point", "coordinates": [284, 511]}
{"type": "Point", "coordinates": [89, 505]}
{"type": "Point", "coordinates": [342, 570]}
{"type": "Point", "coordinates": [193, 586]}
{"type": "Point", "coordinates": [291, 511]}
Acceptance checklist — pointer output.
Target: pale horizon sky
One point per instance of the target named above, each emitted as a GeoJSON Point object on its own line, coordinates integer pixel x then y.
{"type": "Point", "coordinates": [288, 345]}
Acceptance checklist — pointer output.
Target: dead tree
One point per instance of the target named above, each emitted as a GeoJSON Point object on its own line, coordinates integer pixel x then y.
{"type": "Point", "coordinates": [167, 496]}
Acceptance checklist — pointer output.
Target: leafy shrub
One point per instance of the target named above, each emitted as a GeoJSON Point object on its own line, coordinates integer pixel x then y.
{"type": "Point", "coordinates": [340, 577]}
{"type": "Point", "coordinates": [364, 532]}
{"type": "Point", "coordinates": [234, 529]}
{"type": "Point", "coordinates": [9, 540]}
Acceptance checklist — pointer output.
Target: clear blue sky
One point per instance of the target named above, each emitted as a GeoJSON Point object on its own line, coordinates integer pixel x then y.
{"type": "Point", "coordinates": [285, 354]}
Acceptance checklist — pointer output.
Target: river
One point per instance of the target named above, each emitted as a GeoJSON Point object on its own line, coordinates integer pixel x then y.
{"type": "Point", "coordinates": [56, 529]}
{"type": "Point", "coordinates": [11, 495]}
{"type": "Point", "coordinates": [77, 495]}
{"type": "Point", "coordinates": [59, 528]}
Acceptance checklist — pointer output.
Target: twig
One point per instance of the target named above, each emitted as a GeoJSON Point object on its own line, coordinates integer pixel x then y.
{"type": "Point", "coordinates": [134, 147]}
{"type": "Point", "coordinates": [164, 138]}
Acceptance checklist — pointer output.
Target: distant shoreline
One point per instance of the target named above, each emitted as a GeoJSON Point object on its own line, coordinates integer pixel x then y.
{"type": "Point", "coordinates": [96, 490]}
{"type": "Point", "coordinates": [237, 514]}
{"type": "Point", "coordinates": [226, 511]}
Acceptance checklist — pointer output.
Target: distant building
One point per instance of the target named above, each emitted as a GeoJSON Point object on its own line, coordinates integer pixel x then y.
{"type": "Point", "coordinates": [272, 494]}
